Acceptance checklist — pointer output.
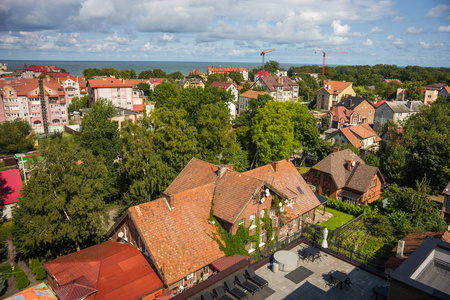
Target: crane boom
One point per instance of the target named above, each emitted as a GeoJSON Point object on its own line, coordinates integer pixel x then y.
{"type": "Point", "coordinates": [263, 54]}
{"type": "Point", "coordinates": [325, 54]}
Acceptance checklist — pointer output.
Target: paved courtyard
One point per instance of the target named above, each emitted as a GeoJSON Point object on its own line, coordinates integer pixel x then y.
{"type": "Point", "coordinates": [314, 286]}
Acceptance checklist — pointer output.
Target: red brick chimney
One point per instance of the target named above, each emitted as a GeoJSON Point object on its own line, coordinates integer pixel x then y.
{"type": "Point", "coordinates": [349, 164]}
{"type": "Point", "coordinates": [170, 199]}
{"type": "Point", "coordinates": [274, 165]}
{"type": "Point", "coordinates": [349, 103]}
{"type": "Point", "coordinates": [335, 149]}
{"type": "Point", "coordinates": [221, 170]}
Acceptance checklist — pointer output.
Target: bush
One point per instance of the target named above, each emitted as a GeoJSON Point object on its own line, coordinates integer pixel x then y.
{"type": "Point", "coordinates": [6, 270]}
{"type": "Point", "coordinates": [345, 207]}
{"type": "Point", "coordinates": [40, 273]}
{"type": "Point", "coordinates": [21, 277]}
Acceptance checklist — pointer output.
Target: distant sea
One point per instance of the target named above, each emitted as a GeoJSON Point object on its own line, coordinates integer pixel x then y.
{"type": "Point", "coordinates": [75, 68]}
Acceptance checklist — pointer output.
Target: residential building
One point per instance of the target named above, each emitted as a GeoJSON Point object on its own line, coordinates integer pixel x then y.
{"type": "Point", "coordinates": [408, 245]}
{"type": "Point", "coordinates": [176, 232]}
{"type": "Point", "coordinates": [10, 189]}
{"type": "Point", "coordinates": [332, 92]}
{"type": "Point", "coordinates": [424, 274]}
{"type": "Point", "coordinates": [244, 99]}
{"type": "Point", "coordinates": [281, 88]}
{"type": "Point", "coordinates": [20, 98]}
{"type": "Point", "coordinates": [365, 108]}
{"type": "Point", "coordinates": [261, 74]}
{"type": "Point", "coordinates": [38, 70]}
{"type": "Point", "coordinates": [229, 86]}
{"type": "Point", "coordinates": [120, 92]}
{"type": "Point", "coordinates": [340, 117]}
{"type": "Point", "coordinates": [445, 92]}
{"type": "Point", "coordinates": [281, 73]}
{"type": "Point", "coordinates": [72, 87]}
{"type": "Point", "coordinates": [431, 92]}
{"type": "Point", "coordinates": [446, 204]}
{"type": "Point", "coordinates": [109, 270]}
{"type": "Point", "coordinates": [360, 136]}
{"type": "Point", "coordinates": [121, 115]}
{"type": "Point", "coordinates": [396, 111]}
{"type": "Point", "coordinates": [226, 71]}
{"type": "Point", "coordinates": [199, 73]}
{"type": "Point", "coordinates": [191, 82]}
{"type": "Point", "coordinates": [345, 176]}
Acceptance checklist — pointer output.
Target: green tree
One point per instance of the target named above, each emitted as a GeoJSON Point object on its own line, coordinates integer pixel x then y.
{"type": "Point", "coordinates": [145, 87]}
{"type": "Point", "coordinates": [16, 136]}
{"type": "Point", "coordinates": [78, 103]}
{"type": "Point", "coordinates": [212, 78]}
{"type": "Point", "coordinates": [176, 75]}
{"type": "Point", "coordinates": [414, 90]}
{"type": "Point", "coordinates": [146, 74]}
{"type": "Point", "coordinates": [158, 73]}
{"type": "Point", "coordinates": [100, 134]}
{"type": "Point", "coordinates": [371, 159]}
{"type": "Point", "coordinates": [237, 77]}
{"type": "Point", "coordinates": [272, 66]}
{"type": "Point", "coordinates": [62, 207]}
{"type": "Point", "coordinates": [133, 74]}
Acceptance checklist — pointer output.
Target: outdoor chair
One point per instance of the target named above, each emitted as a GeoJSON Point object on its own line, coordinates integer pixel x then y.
{"type": "Point", "coordinates": [219, 291]}
{"type": "Point", "coordinates": [207, 296]}
{"type": "Point", "coordinates": [240, 279]}
{"type": "Point", "coordinates": [261, 282]}
{"type": "Point", "coordinates": [233, 290]}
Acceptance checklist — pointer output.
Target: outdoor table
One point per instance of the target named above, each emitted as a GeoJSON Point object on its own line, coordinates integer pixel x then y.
{"type": "Point", "coordinates": [312, 252]}
{"type": "Point", "coordinates": [286, 260]}
{"type": "Point", "coordinates": [341, 277]}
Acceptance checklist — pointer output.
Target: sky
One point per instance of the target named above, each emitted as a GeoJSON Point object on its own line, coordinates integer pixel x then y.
{"type": "Point", "coordinates": [369, 32]}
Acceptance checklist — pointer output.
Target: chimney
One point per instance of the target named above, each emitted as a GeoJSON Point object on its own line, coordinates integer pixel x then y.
{"type": "Point", "coordinates": [400, 248]}
{"type": "Point", "coordinates": [349, 103]}
{"type": "Point", "coordinates": [274, 165]}
{"type": "Point", "coordinates": [170, 200]}
{"type": "Point", "coordinates": [335, 149]}
{"type": "Point", "coordinates": [230, 167]}
{"type": "Point", "coordinates": [221, 170]}
{"type": "Point", "coordinates": [123, 81]}
{"type": "Point", "coordinates": [349, 164]}
{"type": "Point", "coordinates": [280, 80]}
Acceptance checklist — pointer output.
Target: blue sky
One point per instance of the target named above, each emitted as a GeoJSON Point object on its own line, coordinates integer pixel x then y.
{"type": "Point", "coordinates": [415, 32]}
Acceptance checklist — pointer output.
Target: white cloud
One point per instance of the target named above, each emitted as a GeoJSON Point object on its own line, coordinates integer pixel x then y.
{"type": "Point", "coordinates": [398, 42]}
{"type": "Point", "coordinates": [441, 10]}
{"type": "Point", "coordinates": [412, 30]}
{"type": "Point", "coordinates": [444, 28]}
{"type": "Point", "coordinates": [428, 46]}
{"type": "Point", "coordinates": [376, 29]}
{"type": "Point", "coordinates": [390, 37]}
{"type": "Point", "coordinates": [169, 38]}
{"type": "Point", "coordinates": [397, 19]}
{"type": "Point", "coordinates": [338, 29]}
{"type": "Point", "coordinates": [368, 42]}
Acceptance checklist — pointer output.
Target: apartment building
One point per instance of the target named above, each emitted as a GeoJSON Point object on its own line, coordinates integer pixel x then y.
{"type": "Point", "coordinates": [281, 88]}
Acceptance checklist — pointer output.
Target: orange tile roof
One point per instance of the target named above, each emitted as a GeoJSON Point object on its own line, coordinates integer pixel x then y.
{"type": "Point", "coordinates": [288, 177]}
{"type": "Point", "coordinates": [109, 82]}
{"type": "Point", "coordinates": [341, 112]}
{"type": "Point", "coordinates": [252, 94]}
{"type": "Point", "coordinates": [179, 239]}
{"type": "Point", "coordinates": [196, 72]}
{"type": "Point", "coordinates": [335, 87]}
{"type": "Point", "coordinates": [365, 131]}
{"type": "Point", "coordinates": [118, 271]}
{"type": "Point", "coordinates": [136, 81]}
{"type": "Point", "coordinates": [350, 137]}
{"type": "Point", "coordinates": [226, 70]}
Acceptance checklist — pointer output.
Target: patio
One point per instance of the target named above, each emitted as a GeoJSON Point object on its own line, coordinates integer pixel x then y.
{"type": "Point", "coordinates": [313, 284]}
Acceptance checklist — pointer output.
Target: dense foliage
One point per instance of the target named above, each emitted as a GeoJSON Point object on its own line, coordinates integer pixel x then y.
{"type": "Point", "coordinates": [62, 207]}
{"type": "Point", "coordinates": [78, 103]}
{"type": "Point", "coordinates": [16, 136]}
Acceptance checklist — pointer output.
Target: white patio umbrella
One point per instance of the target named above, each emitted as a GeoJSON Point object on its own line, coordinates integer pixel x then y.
{"type": "Point", "coordinates": [325, 235]}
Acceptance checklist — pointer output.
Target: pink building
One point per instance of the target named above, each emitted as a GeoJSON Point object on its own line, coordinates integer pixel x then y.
{"type": "Point", "coordinates": [120, 92]}
{"type": "Point", "coordinates": [20, 98]}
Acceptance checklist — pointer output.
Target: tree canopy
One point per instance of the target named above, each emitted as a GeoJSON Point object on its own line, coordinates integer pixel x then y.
{"type": "Point", "coordinates": [62, 207]}
{"type": "Point", "coordinates": [16, 136]}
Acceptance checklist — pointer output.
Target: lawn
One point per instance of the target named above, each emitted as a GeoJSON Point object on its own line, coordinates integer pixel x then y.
{"type": "Point", "coordinates": [303, 170]}
{"type": "Point", "coordinates": [338, 219]}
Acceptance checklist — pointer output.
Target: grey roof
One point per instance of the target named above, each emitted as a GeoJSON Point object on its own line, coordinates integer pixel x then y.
{"type": "Point", "coordinates": [398, 106]}
{"type": "Point", "coordinates": [355, 102]}
{"type": "Point", "coordinates": [414, 106]}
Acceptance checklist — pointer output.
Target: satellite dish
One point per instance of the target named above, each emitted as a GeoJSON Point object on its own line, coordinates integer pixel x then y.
{"type": "Point", "coordinates": [280, 204]}
{"type": "Point", "coordinates": [267, 193]}
{"type": "Point", "coordinates": [120, 234]}
{"type": "Point", "coordinates": [262, 200]}
{"type": "Point", "coordinates": [353, 163]}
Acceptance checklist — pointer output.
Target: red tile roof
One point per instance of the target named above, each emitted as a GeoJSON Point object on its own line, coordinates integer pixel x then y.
{"type": "Point", "coordinates": [109, 82]}
{"type": "Point", "coordinates": [350, 137]}
{"type": "Point", "coordinates": [252, 94]}
{"type": "Point", "coordinates": [286, 176]}
{"type": "Point", "coordinates": [379, 103]}
{"type": "Point", "coordinates": [180, 238]}
{"type": "Point", "coordinates": [10, 186]}
{"type": "Point", "coordinates": [356, 133]}
{"type": "Point", "coordinates": [226, 70]}
{"type": "Point", "coordinates": [341, 112]}
{"type": "Point", "coordinates": [272, 83]}
{"type": "Point", "coordinates": [228, 261]}
{"type": "Point", "coordinates": [80, 288]}
{"type": "Point", "coordinates": [224, 85]}
{"type": "Point", "coordinates": [118, 271]}
{"type": "Point", "coordinates": [196, 72]}
{"type": "Point", "coordinates": [335, 87]}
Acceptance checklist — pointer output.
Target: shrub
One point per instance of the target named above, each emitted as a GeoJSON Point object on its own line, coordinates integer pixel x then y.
{"type": "Point", "coordinates": [6, 270]}
{"type": "Point", "coordinates": [34, 264]}
{"type": "Point", "coordinates": [40, 273]}
{"type": "Point", "coordinates": [345, 207]}
{"type": "Point", "coordinates": [21, 277]}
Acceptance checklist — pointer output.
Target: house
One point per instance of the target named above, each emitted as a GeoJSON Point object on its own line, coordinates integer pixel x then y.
{"type": "Point", "coordinates": [10, 187]}
{"type": "Point", "coordinates": [365, 108]}
{"type": "Point", "coordinates": [176, 232]}
{"type": "Point", "coordinates": [343, 175]}
{"type": "Point", "coordinates": [424, 274]}
{"type": "Point", "coordinates": [281, 73]}
{"type": "Point", "coordinates": [360, 136]}
{"type": "Point", "coordinates": [38, 292]}
{"type": "Point", "coordinates": [229, 86]}
{"type": "Point", "coordinates": [390, 134]}
{"type": "Point", "coordinates": [38, 70]}
{"type": "Point", "coordinates": [332, 92]}
{"type": "Point", "coordinates": [21, 98]}
{"type": "Point", "coordinates": [280, 89]}
{"type": "Point", "coordinates": [261, 74]}
{"type": "Point", "coordinates": [446, 204]}
{"type": "Point", "coordinates": [109, 270]}
{"type": "Point", "coordinates": [198, 72]}
{"type": "Point", "coordinates": [408, 245]}
{"type": "Point", "coordinates": [244, 99]}
{"type": "Point", "coordinates": [191, 82]}
{"type": "Point", "coordinates": [431, 92]}
{"type": "Point", "coordinates": [445, 92]}
{"type": "Point", "coordinates": [226, 71]}
{"type": "Point", "coordinates": [118, 91]}
{"type": "Point", "coordinates": [396, 111]}
{"type": "Point", "coordinates": [71, 86]}
{"type": "Point", "coordinates": [341, 117]}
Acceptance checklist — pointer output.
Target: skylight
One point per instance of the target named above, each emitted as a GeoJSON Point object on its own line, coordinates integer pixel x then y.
{"type": "Point", "coordinates": [300, 190]}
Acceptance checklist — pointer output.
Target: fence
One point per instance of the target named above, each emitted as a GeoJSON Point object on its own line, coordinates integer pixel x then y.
{"type": "Point", "coordinates": [340, 229]}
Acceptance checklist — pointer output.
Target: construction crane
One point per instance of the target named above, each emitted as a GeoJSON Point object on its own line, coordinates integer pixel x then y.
{"type": "Point", "coordinates": [263, 54]}
{"type": "Point", "coordinates": [325, 54]}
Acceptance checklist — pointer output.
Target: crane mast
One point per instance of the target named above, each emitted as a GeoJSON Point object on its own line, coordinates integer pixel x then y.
{"type": "Point", "coordinates": [325, 54]}
{"type": "Point", "coordinates": [263, 54]}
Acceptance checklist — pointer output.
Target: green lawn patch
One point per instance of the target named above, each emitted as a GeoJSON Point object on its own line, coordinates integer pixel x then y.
{"type": "Point", "coordinates": [303, 170]}
{"type": "Point", "coordinates": [338, 219]}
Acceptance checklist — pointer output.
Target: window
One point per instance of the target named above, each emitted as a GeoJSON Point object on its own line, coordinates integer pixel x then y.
{"type": "Point", "coordinates": [273, 212]}
{"type": "Point", "coordinates": [326, 192]}
{"type": "Point", "coordinates": [300, 190]}
{"type": "Point", "coordinates": [118, 89]}
{"type": "Point", "coordinates": [327, 177]}
{"type": "Point", "coordinates": [262, 214]}
{"type": "Point", "coordinates": [252, 221]}
{"type": "Point", "coordinates": [316, 174]}
{"type": "Point", "coordinates": [241, 222]}
{"type": "Point", "coordinates": [373, 183]}
{"type": "Point", "coordinates": [251, 247]}
{"type": "Point", "coordinates": [262, 239]}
